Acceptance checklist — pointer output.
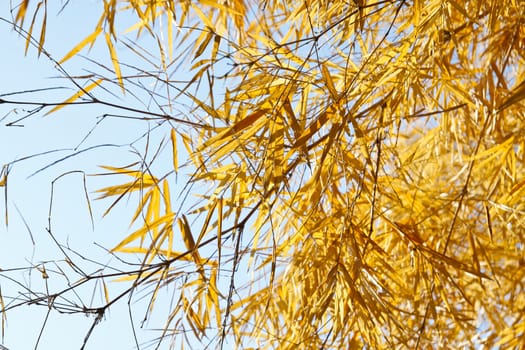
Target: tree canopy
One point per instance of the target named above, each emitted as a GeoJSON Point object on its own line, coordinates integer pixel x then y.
{"type": "Point", "coordinates": [342, 174]}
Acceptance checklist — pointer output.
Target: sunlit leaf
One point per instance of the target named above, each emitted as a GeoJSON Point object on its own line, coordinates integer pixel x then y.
{"type": "Point", "coordinates": [89, 40]}
{"type": "Point", "coordinates": [115, 61]}
{"type": "Point", "coordinates": [143, 231]}
{"type": "Point", "coordinates": [76, 96]}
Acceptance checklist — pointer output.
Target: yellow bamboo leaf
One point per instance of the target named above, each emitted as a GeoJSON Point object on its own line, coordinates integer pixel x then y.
{"type": "Point", "coordinates": [195, 78]}
{"type": "Point", "coordinates": [170, 34]}
{"type": "Point", "coordinates": [169, 253]}
{"type": "Point", "coordinates": [106, 292]}
{"type": "Point", "coordinates": [287, 106]}
{"type": "Point", "coordinates": [213, 292]}
{"type": "Point", "coordinates": [153, 298]}
{"type": "Point", "coordinates": [120, 189]}
{"type": "Point", "coordinates": [166, 196]}
{"type": "Point", "coordinates": [237, 127]}
{"type": "Point", "coordinates": [224, 172]}
{"type": "Point", "coordinates": [206, 224]}
{"type": "Point", "coordinates": [328, 81]}
{"type": "Point", "coordinates": [182, 256]}
{"type": "Point", "coordinates": [433, 15]}
{"type": "Point", "coordinates": [76, 96]}
{"type": "Point", "coordinates": [142, 232]}
{"type": "Point", "coordinates": [173, 136]}
{"type": "Point", "coordinates": [187, 142]}
{"type": "Point", "coordinates": [232, 10]}
{"type": "Point", "coordinates": [43, 28]}
{"type": "Point", "coordinates": [22, 10]}
{"type": "Point", "coordinates": [4, 314]}
{"type": "Point", "coordinates": [115, 61]}
{"type": "Point", "coordinates": [219, 229]}
{"type": "Point", "coordinates": [518, 94]}
{"type": "Point", "coordinates": [491, 153]}
{"type": "Point", "coordinates": [90, 39]}
{"type": "Point", "coordinates": [208, 35]}
{"type": "Point", "coordinates": [185, 230]}
{"type": "Point", "coordinates": [194, 320]}
{"type": "Point", "coordinates": [30, 31]}
{"type": "Point", "coordinates": [143, 23]}
{"type": "Point", "coordinates": [454, 263]}
{"type": "Point", "coordinates": [274, 164]}
{"type": "Point", "coordinates": [153, 212]}
{"type": "Point", "coordinates": [216, 44]}
{"type": "Point", "coordinates": [204, 18]}
{"type": "Point", "coordinates": [461, 10]}
{"type": "Point", "coordinates": [259, 86]}
{"type": "Point", "coordinates": [518, 186]}
{"type": "Point", "coordinates": [146, 177]}
{"type": "Point", "coordinates": [314, 127]}
{"type": "Point", "coordinates": [187, 237]}
{"type": "Point", "coordinates": [162, 55]}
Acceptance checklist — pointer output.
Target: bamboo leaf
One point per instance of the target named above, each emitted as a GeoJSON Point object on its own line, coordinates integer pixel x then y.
{"type": "Point", "coordinates": [43, 28]}
{"type": "Point", "coordinates": [328, 81]}
{"type": "Point", "coordinates": [236, 128]}
{"type": "Point", "coordinates": [89, 40]}
{"type": "Point", "coordinates": [219, 229]}
{"type": "Point", "coordinates": [76, 96]}
{"type": "Point", "coordinates": [518, 94]}
{"type": "Point", "coordinates": [205, 225]}
{"type": "Point", "coordinates": [208, 35]}
{"type": "Point", "coordinates": [115, 61]}
{"type": "Point", "coordinates": [174, 152]}
{"type": "Point", "coordinates": [185, 230]}
{"type": "Point", "coordinates": [21, 13]}
{"type": "Point", "coordinates": [30, 31]}
{"type": "Point", "coordinates": [141, 233]}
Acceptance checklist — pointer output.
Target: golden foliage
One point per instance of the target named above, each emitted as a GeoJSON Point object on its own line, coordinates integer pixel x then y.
{"type": "Point", "coordinates": [363, 160]}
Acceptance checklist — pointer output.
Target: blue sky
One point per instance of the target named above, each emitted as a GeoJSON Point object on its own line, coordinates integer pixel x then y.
{"type": "Point", "coordinates": [29, 195]}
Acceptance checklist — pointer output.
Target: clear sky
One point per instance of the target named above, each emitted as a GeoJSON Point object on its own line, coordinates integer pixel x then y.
{"type": "Point", "coordinates": [29, 195]}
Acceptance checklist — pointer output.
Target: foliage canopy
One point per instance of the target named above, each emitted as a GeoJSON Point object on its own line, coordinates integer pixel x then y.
{"type": "Point", "coordinates": [362, 160]}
